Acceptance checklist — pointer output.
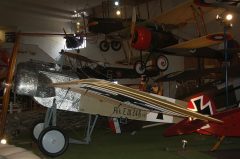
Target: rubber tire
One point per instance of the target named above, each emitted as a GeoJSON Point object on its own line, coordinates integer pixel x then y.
{"type": "Point", "coordinates": [139, 68]}
{"type": "Point", "coordinates": [162, 63]}
{"type": "Point", "coordinates": [33, 130]}
{"type": "Point", "coordinates": [104, 46]}
{"type": "Point", "coordinates": [116, 45]}
{"type": "Point", "coordinates": [46, 137]}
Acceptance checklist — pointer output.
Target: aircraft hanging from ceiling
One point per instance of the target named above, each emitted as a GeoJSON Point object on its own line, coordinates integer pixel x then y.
{"type": "Point", "coordinates": [155, 37]}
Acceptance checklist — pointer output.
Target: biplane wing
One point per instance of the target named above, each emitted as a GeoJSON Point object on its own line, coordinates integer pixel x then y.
{"type": "Point", "coordinates": [230, 5]}
{"type": "Point", "coordinates": [179, 15]}
{"type": "Point", "coordinates": [79, 57]}
{"type": "Point", "coordinates": [203, 41]}
{"type": "Point", "coordinates": [194, 74]}
{"type": "Point", "coordinates": [152, 102]}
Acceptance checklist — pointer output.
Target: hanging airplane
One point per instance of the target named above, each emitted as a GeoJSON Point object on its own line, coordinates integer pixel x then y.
{"type": "Point", "coordinates": [155, 37]}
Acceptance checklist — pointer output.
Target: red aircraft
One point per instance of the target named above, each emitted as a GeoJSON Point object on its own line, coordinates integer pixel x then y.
{"type": "Point", "coordinates": [203, 104]}
{"type": "Point", "coordinates": [156, 38]}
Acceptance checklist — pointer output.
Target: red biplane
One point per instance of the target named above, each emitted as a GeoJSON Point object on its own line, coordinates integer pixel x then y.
{"type": "Point", "coordinates": [155, 37]}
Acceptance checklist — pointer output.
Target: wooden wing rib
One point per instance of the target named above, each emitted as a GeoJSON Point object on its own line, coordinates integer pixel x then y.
{"type": "Point", "coordinates": [146, 97]}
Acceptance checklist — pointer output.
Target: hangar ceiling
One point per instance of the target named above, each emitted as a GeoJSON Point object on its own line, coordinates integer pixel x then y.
{"type": "Point", "coordinates": [61, 9]}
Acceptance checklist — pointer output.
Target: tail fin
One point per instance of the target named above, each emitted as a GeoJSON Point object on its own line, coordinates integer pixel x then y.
{"type": "Point", "coordinates": [201, 103]}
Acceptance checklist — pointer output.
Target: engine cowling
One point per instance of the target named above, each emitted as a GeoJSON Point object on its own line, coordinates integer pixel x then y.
{"type": "Point", "coordinates": [30, 82]}
{"type": "Point", "coordinates": [142, 38]}
{"type": "Point", "coordinates": [147, 39]}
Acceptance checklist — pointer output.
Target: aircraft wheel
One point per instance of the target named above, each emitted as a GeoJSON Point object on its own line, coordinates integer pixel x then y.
{"type": "Point", "coordinates": [139, 67]}
{"type": "Point", "coordinates": [116, 45]}
{"type": "Point", "coordinates": [37, 128]}
{"type": "Point", "coordinates": [53, 142]}
{"type": "Point", "coordinates": [104, 46]}
{"type": "Point", "coordinates": [162, 63]}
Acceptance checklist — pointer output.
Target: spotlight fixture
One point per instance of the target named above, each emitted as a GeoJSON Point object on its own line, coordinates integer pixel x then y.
{"type": "Point", "coordinates": [225, 19]}
{"type": "Point", "coordinates": [118, 12]}
{"type": "Point", "coordinates": [116, 3]}
{"type": "Point", "coordinates": [229, 17]}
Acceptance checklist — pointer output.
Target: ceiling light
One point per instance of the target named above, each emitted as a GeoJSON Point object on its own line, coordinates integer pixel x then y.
{"type": "Point", "coordinates": [118, 12]}
{"type": "Point", "coordinates": [78, 23]}
{"type": "Point", "coordinates": [116, 3]}
{"type": "Point", "coordinates": [229, 17]}
{"type": "Point", "coordinates": [75, 11]}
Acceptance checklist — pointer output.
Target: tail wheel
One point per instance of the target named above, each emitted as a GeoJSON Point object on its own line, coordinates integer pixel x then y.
{"type": "Point", "coordinates": [37, 129]}
{"type": "Point", "coordinates": [139, 67]}
{"type": "Point", "coordinates": [116, 45]}
{"type": "Point", "coordinates": [53, 142]}
{"type": "Point", "coordinates": [104, 46]}
{"type": "Point", "coordinates": [162, 63]}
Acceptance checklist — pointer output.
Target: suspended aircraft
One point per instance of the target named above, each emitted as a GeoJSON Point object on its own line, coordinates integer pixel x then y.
{"type": "Point", "coordinates": [155, 37]}
{"type": "Point", "coordinates": [102, 70]}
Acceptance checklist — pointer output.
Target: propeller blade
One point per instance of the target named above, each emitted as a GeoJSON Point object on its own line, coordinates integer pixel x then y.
{"type": "Point", "coordinates": [8, 86]}
{"type": "Point", "coordinates": [133, 24]}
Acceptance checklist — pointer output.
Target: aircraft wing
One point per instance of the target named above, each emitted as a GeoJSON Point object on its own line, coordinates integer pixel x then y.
{"type": "Point", "coordinates": [231, 5]}
{"type": "Point", "coordinates": [79, 57]}
{"type": "Point", "coordinates": [153, 102]}
{"type": "Point", "coordinates": [175, 17]}
{"type": "Point", "coordinates": [210, 73]}
{"type": "Point", "coordinates": [199, 47]}
{"type": "Point", "coordinates": [203, 41]}
{"type": "Point", "coordinates": [179, 15]}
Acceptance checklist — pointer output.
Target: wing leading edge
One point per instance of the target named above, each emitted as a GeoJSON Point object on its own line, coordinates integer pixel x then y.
{"type": "Point", "coordinates": [153, 101]}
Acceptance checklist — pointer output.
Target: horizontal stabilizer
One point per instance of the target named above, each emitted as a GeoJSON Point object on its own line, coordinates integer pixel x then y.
{"type": "Point", "coordinates": [186, 126]}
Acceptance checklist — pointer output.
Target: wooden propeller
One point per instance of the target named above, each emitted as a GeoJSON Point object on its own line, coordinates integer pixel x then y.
{"type": "Point", "coordinates": [133, 24]}
{"type": "Point", "coordinates": [8, 86]}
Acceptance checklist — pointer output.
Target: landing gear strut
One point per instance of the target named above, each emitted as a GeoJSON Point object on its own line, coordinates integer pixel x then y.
{"type": "Point", "coordinates": [141, 65]}
{"type": "Point", "coordinates": [52, 140]}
